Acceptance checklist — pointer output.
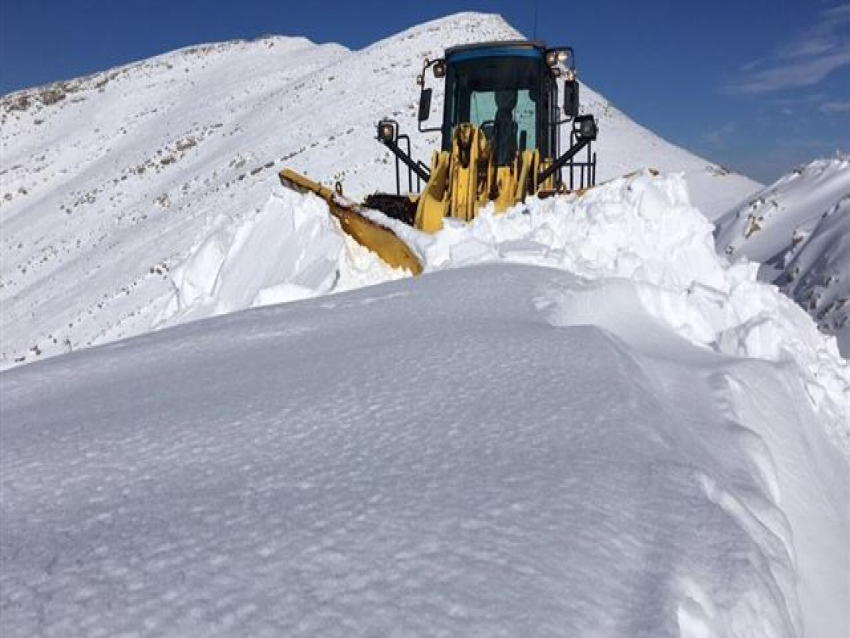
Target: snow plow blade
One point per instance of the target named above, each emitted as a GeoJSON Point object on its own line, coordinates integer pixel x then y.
{"type": "Point", "coordinates": [368, 233]}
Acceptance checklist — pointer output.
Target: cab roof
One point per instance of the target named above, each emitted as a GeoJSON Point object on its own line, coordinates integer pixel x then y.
{"type": "Point", "coordinates": [520, 48]}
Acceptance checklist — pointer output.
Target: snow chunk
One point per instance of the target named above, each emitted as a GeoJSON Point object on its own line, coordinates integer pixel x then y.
{"type": "Point", "coordinates": [293, 249]}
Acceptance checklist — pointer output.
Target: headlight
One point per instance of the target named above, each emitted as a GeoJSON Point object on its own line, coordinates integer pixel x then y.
{"type": "Point", "coordinates": [386, 131]}
{"type": "Point", "coordinates": [558, 56]}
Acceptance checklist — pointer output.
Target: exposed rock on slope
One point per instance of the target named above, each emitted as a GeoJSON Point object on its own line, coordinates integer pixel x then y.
{"type": "Point", "coordinates": [799, 229]}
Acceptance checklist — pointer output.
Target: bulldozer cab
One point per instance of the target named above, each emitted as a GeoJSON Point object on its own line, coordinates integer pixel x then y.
{"type": "Point", "coordinates": [509, 91]}
{"type": "Point", "coordinates": [506, 91]}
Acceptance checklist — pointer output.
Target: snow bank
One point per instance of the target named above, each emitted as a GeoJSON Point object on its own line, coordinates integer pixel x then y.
{"type": "Point", "coordinates": [293, 249]}
{"type": "Point", "coordinates": [643, 229]}
{"type": "Point", "coordinates": [498, 450]}
{"type": "Point", "coordinates": [626, 435]}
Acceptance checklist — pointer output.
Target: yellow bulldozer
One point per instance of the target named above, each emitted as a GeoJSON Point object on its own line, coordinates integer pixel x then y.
{"type": "Point", "coordinates": [500, 143]}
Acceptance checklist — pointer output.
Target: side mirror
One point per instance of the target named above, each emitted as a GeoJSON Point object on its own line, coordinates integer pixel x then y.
{"type": "Point", "coordinates": [424, 104]}
{"type": "Point", "coordinates": [571, 98]}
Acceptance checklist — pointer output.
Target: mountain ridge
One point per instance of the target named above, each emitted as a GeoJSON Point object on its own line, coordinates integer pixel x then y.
{"type": "Point", "coordinates": [101, 196]}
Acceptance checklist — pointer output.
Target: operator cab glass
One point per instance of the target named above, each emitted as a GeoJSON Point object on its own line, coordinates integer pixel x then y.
{"type": "Point", "coordinates": [506, 93]}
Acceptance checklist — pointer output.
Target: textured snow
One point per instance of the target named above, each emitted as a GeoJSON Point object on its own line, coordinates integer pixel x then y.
{"type": "Point", "coordinates": [642, 228]}
{"type": "Point", "coordinates": [799, 229]}
{"type": "Point", "coordinates": [292, 249]}
{"type": "Point", "coordinates": [623, 435]}
{"type": "Point", "coordinates": [396, 461]}
{"type": "Point", "coordinates": [106, 191]}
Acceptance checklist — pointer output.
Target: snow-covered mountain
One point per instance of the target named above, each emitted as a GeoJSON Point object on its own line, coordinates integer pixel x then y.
{"type": "Point", "coordinates": [112, 181]}
{"type": "Point", "coordinates": [621, 435]}
{"type": "Point", "coordinates": [799, 229]}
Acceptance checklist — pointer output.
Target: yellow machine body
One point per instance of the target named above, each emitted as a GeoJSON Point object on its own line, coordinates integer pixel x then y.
{"type": "Point", "coordinates": [500, 144]}
{"type": "Point", "coordinates": [366, 232]}
{"type": "Point", "coordinates": [461, 183]}
{"type": "Point", "coordinates": [465, 180]}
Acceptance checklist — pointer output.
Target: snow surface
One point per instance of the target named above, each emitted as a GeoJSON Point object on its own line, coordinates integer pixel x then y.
{"type": "Point", "coordinates": [799, 229]}
{"type": "Point", "coordinates": [108, 183]}
{"type": "Point", "coordinates": [623, 435]}
{"type": "Point", "coordinates": [642, 228]}
{"type": "Point", "coordinates": [579, 421]}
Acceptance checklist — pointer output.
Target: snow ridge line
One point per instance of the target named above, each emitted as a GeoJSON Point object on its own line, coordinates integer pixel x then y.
{"type": "Point", "coordinates": [644, 229]}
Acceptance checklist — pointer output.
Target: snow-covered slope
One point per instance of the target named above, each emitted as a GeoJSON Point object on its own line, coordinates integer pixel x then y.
{"type": "Point", "coordinates": [110, 181]}
{"type": "Point", "coordinates": [799, 229]}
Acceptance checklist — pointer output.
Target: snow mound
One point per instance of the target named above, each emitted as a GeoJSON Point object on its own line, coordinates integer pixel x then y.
{"type": "Point", "coordinates": [799, 230]}
{"type": "Point", "coordinates": [642, 229]}
{"type": "Point", "coordinates": [497, 450]}
{"type": "Point", "coordinates": [293, 249]}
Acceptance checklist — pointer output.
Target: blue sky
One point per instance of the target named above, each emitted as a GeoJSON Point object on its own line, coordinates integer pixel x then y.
{"type": "Point", "coordinates": [757, 85]}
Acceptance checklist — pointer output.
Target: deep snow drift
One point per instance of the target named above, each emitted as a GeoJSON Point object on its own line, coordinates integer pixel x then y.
{"type": "Point", "coordinates": [799, 229]}
{"type": "Point", "coordinates": [397, 460]}
{"type": "Point", "coordinates": [643, 229]}
{"type": "Point", "coordinates": [107, 183]}
{"type": "Point", "coordinates": [626, 436]}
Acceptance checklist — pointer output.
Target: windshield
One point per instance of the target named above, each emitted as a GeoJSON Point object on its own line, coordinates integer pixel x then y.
{"type": "Point", "coordinates": [499, 95]}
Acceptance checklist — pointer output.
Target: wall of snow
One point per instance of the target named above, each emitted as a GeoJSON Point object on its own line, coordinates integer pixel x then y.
{"type": "Point", "coordinates": [642, 229]}
{"type": "Point", "coordinates": [293, 249]}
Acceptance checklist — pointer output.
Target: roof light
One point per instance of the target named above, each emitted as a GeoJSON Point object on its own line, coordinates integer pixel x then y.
{"type": "Point", "coordinates": [557, 56]}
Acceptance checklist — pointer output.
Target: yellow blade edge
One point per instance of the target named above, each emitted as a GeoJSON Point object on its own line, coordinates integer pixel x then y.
{"type": "Point", "coordinates": [366, 232]}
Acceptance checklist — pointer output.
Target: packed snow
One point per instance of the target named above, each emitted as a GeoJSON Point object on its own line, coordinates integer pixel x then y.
{"type": "Point", "coordinates": [799, 229]}
{"type": "Point", "coordinates": [622, 434]}
{"type": "Point", "coordinates": [312, 257]}
{"type": "Point", "coordinates": [109, 182]}
{"type": "Point", "coordinates": [643, 229]}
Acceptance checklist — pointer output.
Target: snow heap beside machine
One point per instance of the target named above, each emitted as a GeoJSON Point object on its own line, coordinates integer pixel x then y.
{"type": "Point", "coordinates": [500, 143]}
